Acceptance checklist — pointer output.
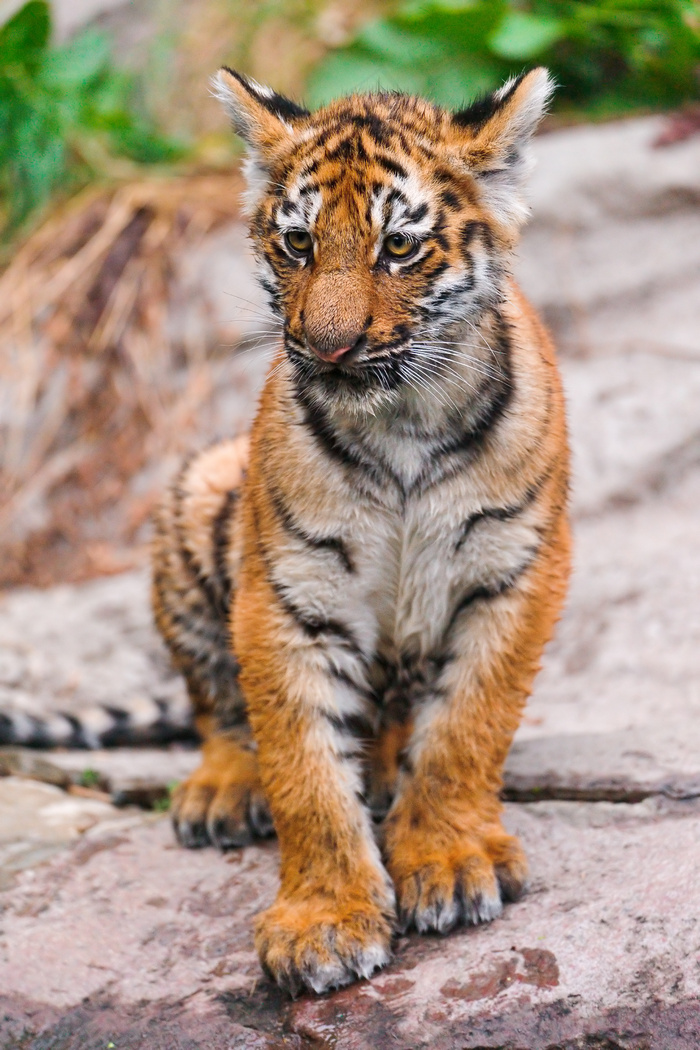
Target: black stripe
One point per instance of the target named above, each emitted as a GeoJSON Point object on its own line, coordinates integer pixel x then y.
{"type": "Point", "coordinates": [330, 184]}
{"type": "Point", "coordinates": [194, 620]}
{"type": "Point", "coordinates": [120, 716]}
{"type": "Point", "coordinates": [390, 165]}
{"type": "Point", "coordinates": [341, 676]}
{"type": "Point", "coordinates": [359, 149]}
{"type": "Point", "coordinates": [354, 725]}
{"type": "Point", "coordinates": [498, 392]}
{"type": "Point", "coordinates": [482, 109]}
{"type": "Point", "coordinates": [503, 513]}
{"type": "Point", "coordinates": [468, 232]}
{"type": "Point", "coordinates": [78, 738]}
{"type": "Point", "coordinates": [374, 125]}
{"type": "Point", "coordinates": [450, 200]}
{"type": "Point", "coordinates": [437, 271]}
{"type": "Point", "coordinates": [8, 734]}
{"type": "Point", "coordinates": [312, 626]}
{"type": "Point", "coordinates": [220, 540]}
{"type": "Point", "coordinates": [417, 213]}
{"type": "Point", "coordinates": [120, 731]}
{"type": "Point", "coordinates": [330, 543]}
{"type": "Point", "coordinates": [40, 735]}
{"type": "Point", "coordinates": [232, 717]}
{"type": "Point", "coordinates": [194, 570]}
{"type": "Point", "coordinates": [484, 592]}
{"type": "Point", "coordinates": [320, 426]}
{"type": "Point", "coordinates": [343, 150]}
{"type": "Point", "coordinates": [278, 104]}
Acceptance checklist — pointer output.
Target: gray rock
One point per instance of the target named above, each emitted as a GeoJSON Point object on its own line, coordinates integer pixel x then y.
{"type": "Point", "coordinates": [38, 820]}
{"type": "Point", "coordinates": [21, 762]}
{"type": "Point", "coordinates": [131, 776]}
{"type": "Point", "coordinates": [626, 766]}
{"type": "Point", "coordinates": [612, 255]}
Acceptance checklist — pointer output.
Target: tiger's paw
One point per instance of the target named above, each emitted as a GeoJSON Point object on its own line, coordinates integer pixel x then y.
{"type": "Point", "coordinates": [222, 803]}
{"type": "Point", "coordinates": [319, 943]}
{"type": "Point", "coordinates": [465, 883]}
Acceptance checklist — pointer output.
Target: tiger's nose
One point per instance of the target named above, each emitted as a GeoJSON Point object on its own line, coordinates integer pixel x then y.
{"type": "Point", "coordinates": [331, 355]}
{"type": "Point", "coordinates": [328, 349]}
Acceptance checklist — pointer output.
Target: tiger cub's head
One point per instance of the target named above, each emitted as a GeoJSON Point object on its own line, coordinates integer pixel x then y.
{"type": "Point", "coordinates": [381, 222]}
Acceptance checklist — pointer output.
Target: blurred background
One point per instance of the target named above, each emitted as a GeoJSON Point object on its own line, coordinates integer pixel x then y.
{"type": "Point", "coordinates": [129, 323]}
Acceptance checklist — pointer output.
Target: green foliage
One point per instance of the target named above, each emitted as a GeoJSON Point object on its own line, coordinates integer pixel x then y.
{"type": "Point", "coordinates": [607, 56]}
{"type": "Point", "coordinates": [66, 114]}
{"type": "Point", "coordinates": [89, 778]}
{"type": "Point", "coordinates": [163, 804]}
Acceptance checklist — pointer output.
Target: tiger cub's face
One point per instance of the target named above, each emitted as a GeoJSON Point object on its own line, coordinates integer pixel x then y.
{"type": "Point", "coordinates": [381, 223]}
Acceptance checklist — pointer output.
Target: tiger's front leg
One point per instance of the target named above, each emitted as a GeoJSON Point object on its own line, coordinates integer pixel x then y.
{"type": "Point", "coordinates": [447, 852]}
{"type": "Point", "coordinates": [333, 917]}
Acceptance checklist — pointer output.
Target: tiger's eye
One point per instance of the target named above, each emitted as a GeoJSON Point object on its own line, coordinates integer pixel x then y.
{"type": "Point", "coordinates": [299, 241]}
{"type": "Point", "coordinates": [399, 246]}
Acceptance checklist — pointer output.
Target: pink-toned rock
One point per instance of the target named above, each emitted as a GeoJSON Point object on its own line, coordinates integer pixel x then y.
{"type": "Point", "coordinates": [127, 934]}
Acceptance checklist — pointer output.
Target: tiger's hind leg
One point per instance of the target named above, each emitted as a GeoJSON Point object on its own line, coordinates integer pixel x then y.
{"type": "Point", "coordinates": [196, 552]}
{"type": "Point", "coordinates": [222, 803]}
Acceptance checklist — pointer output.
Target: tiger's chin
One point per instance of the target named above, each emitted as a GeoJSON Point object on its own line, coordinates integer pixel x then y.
{"type": "Point", "coordinates": [357, 390]}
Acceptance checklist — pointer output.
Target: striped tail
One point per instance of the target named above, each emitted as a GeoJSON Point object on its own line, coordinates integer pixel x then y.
{"type": "Point", "coordinates": [154, 722]}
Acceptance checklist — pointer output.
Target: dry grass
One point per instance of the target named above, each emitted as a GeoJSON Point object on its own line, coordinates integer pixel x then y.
{"type": "Point", "coordinates": [98, 390]}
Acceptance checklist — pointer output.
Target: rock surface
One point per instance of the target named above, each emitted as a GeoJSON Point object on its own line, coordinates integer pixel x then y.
{"type": "Point", "coordinates": [122, 938]}
{"type": "Point", "coordinates": [39, 819]}
{"type": "Point", "coordinates": [143, 944]}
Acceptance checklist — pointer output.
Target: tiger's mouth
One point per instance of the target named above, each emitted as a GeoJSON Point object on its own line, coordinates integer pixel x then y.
{"type": "Point", "coordinates": [358, 374]}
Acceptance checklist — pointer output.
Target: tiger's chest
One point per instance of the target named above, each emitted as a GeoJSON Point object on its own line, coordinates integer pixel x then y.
{"type": "Point", "coordinates": [415, 569]}
{"type": "Point", "coordinates": [408, 568]}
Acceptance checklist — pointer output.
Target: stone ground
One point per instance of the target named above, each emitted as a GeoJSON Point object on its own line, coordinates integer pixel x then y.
{"type": "Point", "coordinates": [111, 936]}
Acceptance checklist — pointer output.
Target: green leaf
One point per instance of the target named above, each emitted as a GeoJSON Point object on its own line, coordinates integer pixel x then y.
{"type": "Point", "coordinates": [454, 86]}
{"type": "Point", "coordinates": [525, 36]}
{"type": "Point", "coordinates": [345, 72]}
{"type": "Point", "coordinates": [78, 63]}
{"type": "Point", "coordinates": [455, 5]}
{"type": "Point", "coordinates": [26, 36]}
{"type": "Point", "coordinates": [417, 9]}
{"type": "Point", "coordinates": [400, 47]}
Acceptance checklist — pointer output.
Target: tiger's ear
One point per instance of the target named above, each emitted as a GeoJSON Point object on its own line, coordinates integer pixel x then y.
{"type": "Point", "coordinates": [494, 136]}
{"type": "Point", "coordinates": [259, 115]}
{"type": "Point", "coordinates": [263, 119]}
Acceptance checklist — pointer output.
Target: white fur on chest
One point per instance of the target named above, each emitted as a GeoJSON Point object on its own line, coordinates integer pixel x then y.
{"type": "Point", "coordinates": [409, 569]}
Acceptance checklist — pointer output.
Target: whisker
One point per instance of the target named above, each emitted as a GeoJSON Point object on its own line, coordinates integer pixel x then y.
{"type": "Point", "coordinates": [449, 347]}
{"type": "Point", "coordinates": [473, 363]}
{"type": "Point", "coordinates": [426, 384]}
{"type": "Point", "coordinates": [255, 309]}
{"type": "Point", "coordinates": [481, 335]}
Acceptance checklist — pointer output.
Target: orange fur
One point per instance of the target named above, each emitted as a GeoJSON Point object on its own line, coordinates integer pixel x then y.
{"type": "Point", "coordinates": [368, 586]}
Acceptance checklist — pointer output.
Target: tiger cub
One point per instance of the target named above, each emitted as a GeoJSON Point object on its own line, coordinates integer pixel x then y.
{"type": "Point", "coordinates": [359, 594]}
